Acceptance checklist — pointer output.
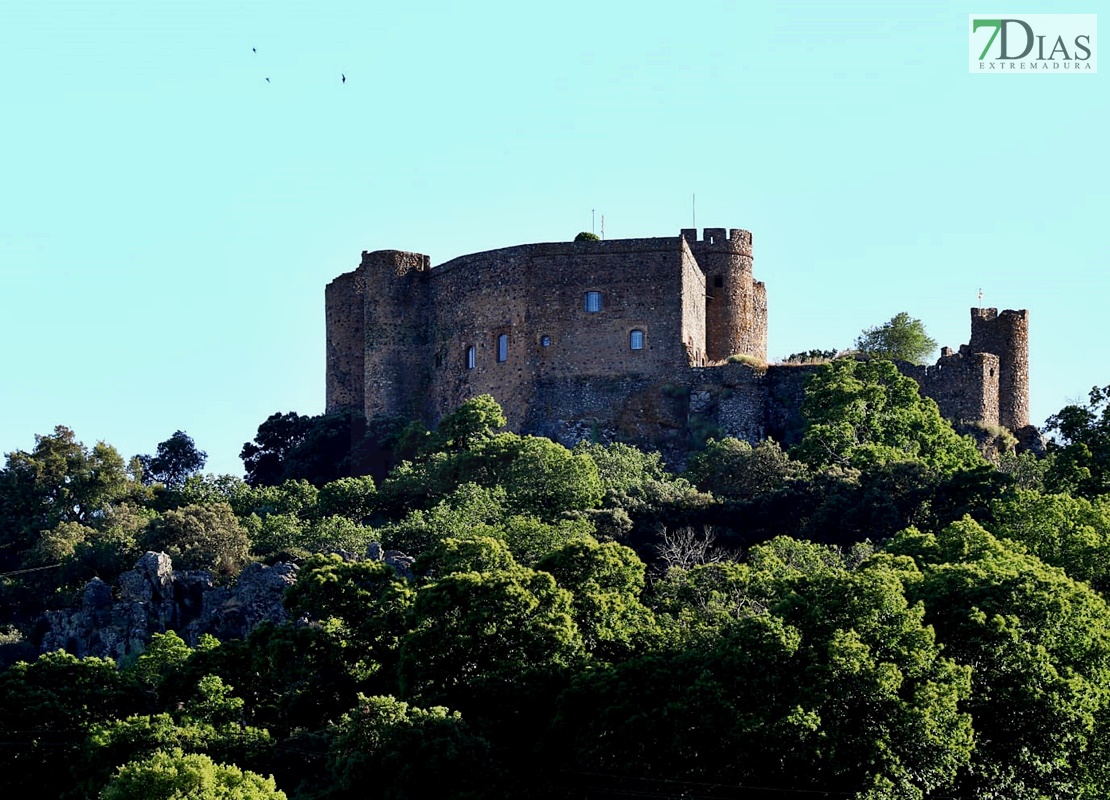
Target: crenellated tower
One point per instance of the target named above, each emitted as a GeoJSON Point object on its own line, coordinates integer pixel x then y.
{"type": "Point", "coordinates": [1006, 335]}
{"type": "Point", "coordinates": [736, 303]}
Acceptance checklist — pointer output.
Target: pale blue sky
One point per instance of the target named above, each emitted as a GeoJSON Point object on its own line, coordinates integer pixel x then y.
{"type": "Point", "coordinates": [168, 219]}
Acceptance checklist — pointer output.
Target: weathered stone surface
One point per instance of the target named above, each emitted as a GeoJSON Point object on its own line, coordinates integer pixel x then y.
{"type": "Point", "coordinates": [400, 332]}
{"type": "Point", "coordinates": [153, 598]}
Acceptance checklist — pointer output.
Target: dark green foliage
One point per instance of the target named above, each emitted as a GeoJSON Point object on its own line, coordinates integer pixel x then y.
{"type": "Point", "coordinates": [903, 338]}
{"type": "Point", "coordinates": [317, 449]}
{"type": "Point", "coordinates": [1081, 447]}
{"type": "Point", "coordinates": [59, 481]}
{"type": "Point", "coordinates": [865, 413]}
{"type": "Point", "coordinates": [176, 460]}
{"type": "Point", "coordinates": [1039, 643]}
{"type": "Point", "coordinates": [831, 684]}
{"type": "Point", "coordinates": [586, 236]}
{"type": "Point", "coordinates": [810, 357]}
{"type": "Point", "coordinates": [48, 706]}
{"type": "Point", "coordinates": [606, 582]}
{"type": "Point", "coordinates": [480, 636]}
{"type": "Point", "coordinates": [365, 604]}
{"type": "Point", "coordinates": [733, 469]}
{"type": "Point", "coordinates": [389, 749]}
{"type": "Point", "coordinates": [290, 677]}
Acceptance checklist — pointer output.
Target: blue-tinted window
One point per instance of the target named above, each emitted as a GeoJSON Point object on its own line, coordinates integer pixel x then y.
{"type": "Point", "coordinates": [636, 340]}
{"type": "Point", "coordinates": [593, 301]}
{"type": "Point", "coordinates": [471, 357]}
{"type": "Point", "coordinates": [503, 347]}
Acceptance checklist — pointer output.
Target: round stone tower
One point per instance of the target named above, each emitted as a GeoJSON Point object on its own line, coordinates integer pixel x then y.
{"type": "Point", "coordinates": [1007, 336]}
{"type": "Point", "coordinates": [736, 303]}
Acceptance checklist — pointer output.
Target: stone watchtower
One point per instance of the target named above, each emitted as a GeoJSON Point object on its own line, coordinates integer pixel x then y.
{"type": "Point", "coordinates": [1006, 335]}
{"type": "Point", "coordinates": [736, 303]}
{"type": "Point", "coordinates": [379, 327]}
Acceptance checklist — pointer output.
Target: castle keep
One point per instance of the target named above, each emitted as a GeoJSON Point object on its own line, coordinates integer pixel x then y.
{"type": "Point", "coordinates": [628, 339]}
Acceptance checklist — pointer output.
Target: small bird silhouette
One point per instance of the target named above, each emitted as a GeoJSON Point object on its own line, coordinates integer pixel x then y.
{"type": "Point", "coordinates": [254, 50]}
{"type": "Point", "coordinates": [267, 80]}
{"type": "Point", "coordinates": [344, 77]}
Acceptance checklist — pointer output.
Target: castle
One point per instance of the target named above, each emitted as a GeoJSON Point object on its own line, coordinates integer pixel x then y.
{"type": "Point", "coordinates": [656, 341]}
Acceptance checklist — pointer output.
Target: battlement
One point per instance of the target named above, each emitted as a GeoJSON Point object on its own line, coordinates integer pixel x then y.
{"type": "Point", "coordinates": [736, 239]}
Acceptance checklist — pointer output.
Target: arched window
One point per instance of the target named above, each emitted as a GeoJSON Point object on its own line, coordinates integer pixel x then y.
{"type": "Point", "coordinates": [503, 347]}
{"type": "Point", "coordinates": [593, 301]}
{"type": "Point", "coordinates": [636, 340]}
{"type": "Point", "coordinates": [471, 357]}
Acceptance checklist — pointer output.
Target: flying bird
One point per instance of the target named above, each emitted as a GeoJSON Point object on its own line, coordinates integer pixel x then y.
{"type": "Point", "coordinates": [254, 50]}
{"type": "Point", "coordinates": [344, 77]}
{"type": "Point", "coordinates": [267, 80]}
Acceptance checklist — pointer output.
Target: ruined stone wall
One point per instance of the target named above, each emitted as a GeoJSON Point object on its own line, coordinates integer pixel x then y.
{"type": "Point", "coordinates": [964, 385]}
{"type": "Point", "coordinates": [1006, 335]}
{"type": "Point", "coordinates": [344, 307]}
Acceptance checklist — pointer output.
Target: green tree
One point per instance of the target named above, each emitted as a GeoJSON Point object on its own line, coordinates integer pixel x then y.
{"type": "Point", "coordinates": [61, 480]}
{"type": "Point", "coordinates": [318, 449]}
{"type": "Point", "coordinates": [48, 706]}
{"type": "Point", "coordinates": [1081, 446]}
{"type": "Point", "coordinates": [201, 537]}
{"type": "Point", "coordinates": [606, 582]}
{"type": "Point", "coordinates": [480, 636]}
{"type": "Point", "coordinates": [386, 748]}
{"type": "Point", "coordinates": [176, 460]}
{"type": "Point", "coordinates": [1072, 533]}
{"type": "Point", "coordinates": [366, 604]}
{"type": "Point", "coordinates": [170, 776]}
{"type": "Point", "coordinates": [834, 683]}
{"type": "Point", "coordinates": [586, 236]}
{"type": "Point", "coordinates": [866, 413]}
{"type": "Point", "coordinates": [1039, 643]}
{"type": "Point", "coordinates": [730, 468]}
{"type": "Point", "coordinates": [353, 498]}
{"type": "Point", "coordinates": [903, 338]}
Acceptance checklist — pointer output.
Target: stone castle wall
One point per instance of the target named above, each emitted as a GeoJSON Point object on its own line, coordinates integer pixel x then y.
{"type": "Point", "coordinates": [411, 340]}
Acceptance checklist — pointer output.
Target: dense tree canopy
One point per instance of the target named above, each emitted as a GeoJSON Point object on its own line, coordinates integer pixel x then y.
{"type": "Point", "coordinates": [878, 613]}
{"type": "Point", "coordinates": [866, 413]}
{"type": "Point", "coordinates": [903, 338]}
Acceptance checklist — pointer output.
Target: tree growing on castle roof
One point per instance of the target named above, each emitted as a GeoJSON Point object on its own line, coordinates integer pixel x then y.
{"type": "Point", "coordinates": [903, 338]}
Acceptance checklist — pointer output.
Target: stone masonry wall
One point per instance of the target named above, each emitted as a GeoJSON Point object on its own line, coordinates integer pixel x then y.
{"type": "Point", "coordinates": [1006, 335]}
{"type": "Point", "coordinates": [964, 385]}
{"type": "Point", "coordinates": [400, 335]}
{"type": "Point", "coordinates": [345, 306]}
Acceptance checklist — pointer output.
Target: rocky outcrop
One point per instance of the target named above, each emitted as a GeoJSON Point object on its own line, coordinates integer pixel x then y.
{"type": "Point", "coordinates": [154, 598]}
